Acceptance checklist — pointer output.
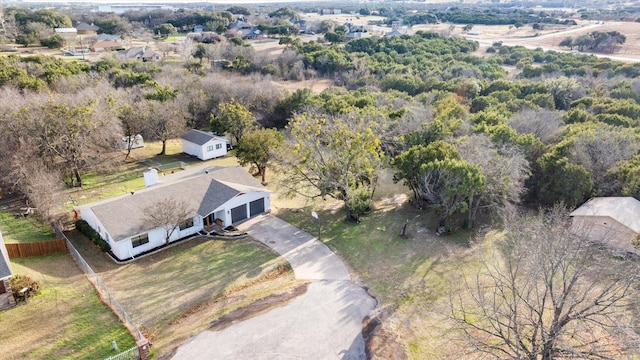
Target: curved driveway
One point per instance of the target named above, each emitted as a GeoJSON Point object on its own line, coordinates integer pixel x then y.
{"type": "Point", "coordinates": [323, 323]}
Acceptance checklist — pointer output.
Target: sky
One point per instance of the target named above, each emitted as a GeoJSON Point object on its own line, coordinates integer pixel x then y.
{"type": "Point", "coordinates": [164, 2]}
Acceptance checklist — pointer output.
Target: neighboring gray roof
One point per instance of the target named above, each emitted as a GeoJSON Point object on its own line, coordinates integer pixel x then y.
{"type": "Point", "coordinates": [5, 268]}
{"type": "Point", "coordinates": [625, 210]}
{"type": "Point", "coordinates": [202, 193]}
{"type": "Point", "coordinates": [85, 26]}
{"type": "Point", "coordinates": [65, 30]}
{"type": "Point", "coordinates": [199, 137]}
{"type": "Point", "coordinates": [104, 37]}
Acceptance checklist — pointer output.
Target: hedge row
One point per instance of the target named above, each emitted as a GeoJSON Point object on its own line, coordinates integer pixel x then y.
{"type": "Point", "coordinates": [88, 231]}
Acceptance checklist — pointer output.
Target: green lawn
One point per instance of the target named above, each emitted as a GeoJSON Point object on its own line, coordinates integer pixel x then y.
{"type": "Point", "coordinates": [66, 321]}
{"type": "Point", "coordinates": [129, 176]}
{"type": "Point", "coordinates": [159, 289]}
{"type": "Point", "coordinates": [17, 229]}
{"type": "Point", "coordinates": [410, 277]}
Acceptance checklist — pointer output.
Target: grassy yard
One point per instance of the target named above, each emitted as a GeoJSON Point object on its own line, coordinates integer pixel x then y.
{"type": "Point", "coordinates": [66, 321]}
{"type": "Point", "coordinates": [129, 176]}
{"type": "Point", "coordinates": [409, 277]}
{"type": "Point", "coordinates": [17, 229]}
{"type": "Point", "coordinates": [176, 293]}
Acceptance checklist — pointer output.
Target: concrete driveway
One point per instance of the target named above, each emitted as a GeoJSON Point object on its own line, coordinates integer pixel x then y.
{"type": "Point", "coordinates": [323, 323]}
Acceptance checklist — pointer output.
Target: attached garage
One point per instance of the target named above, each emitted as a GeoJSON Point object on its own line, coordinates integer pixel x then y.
{"type": "Point", "coordinates": [239, 213]}
{"type": "Point", "coordinates": [256, 207]}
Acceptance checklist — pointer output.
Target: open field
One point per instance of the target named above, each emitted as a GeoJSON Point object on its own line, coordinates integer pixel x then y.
{"type": "Point", "coordinates": [66, 321]}
{"type": "Point", "coordinates": [177, 292]}
{"type": "Point", "coordinates": [549, 38]}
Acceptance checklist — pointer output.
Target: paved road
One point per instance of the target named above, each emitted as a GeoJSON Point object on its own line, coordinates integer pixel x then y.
{"type": "Point", "coordinates": [323, 323]}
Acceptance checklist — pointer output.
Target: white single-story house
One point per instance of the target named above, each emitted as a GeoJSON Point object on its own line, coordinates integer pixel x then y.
{"type": "Point", "coordinates": [204, 145]}
{"type": "Point", "coordinates": [611, 220]}
{"type": "Point", "coordinates": [221, 195]}
{"type": "Point", "coordinates": [6, 295]}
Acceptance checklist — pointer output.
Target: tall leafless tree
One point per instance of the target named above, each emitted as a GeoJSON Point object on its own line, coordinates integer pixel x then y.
{"type": "Point", "coordinates": [543, 292]}
{"type": "Point", "coordinates": [168, 214]}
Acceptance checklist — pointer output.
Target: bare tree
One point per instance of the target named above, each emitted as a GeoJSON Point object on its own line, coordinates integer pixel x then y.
{"type": "Point", "coordinates": [544, 292]}
{"type": "Point", "coordinates": [168, 214]}
{"type": "Point", "coordinates": [505, 170]}
{"type": "Point", "coordinates": [542, 123]}
{"type": "Point", "coordinates": [134, 115]}
{"type": "Point", "coordinates": [598, 147]}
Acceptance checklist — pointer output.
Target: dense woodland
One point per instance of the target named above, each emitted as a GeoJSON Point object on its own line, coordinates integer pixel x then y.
{"type": "Point", "coordinates": [566, 125]}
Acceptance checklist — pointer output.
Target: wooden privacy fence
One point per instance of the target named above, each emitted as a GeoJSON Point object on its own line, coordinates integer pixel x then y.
{"type": "Point", "coordinates": [37, 248]}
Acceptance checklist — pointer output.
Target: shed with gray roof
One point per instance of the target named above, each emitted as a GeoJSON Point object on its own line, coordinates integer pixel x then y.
{"type": "Point", "coordinates": [204, 145]}
{"type": "Point", "coordinates": [611, 220]}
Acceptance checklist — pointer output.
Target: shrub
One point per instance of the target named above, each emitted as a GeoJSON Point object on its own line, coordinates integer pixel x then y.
{"type": "Point", "coordinates": [84, 228]}
{"type": "Point", "coordinates": [20, 282]}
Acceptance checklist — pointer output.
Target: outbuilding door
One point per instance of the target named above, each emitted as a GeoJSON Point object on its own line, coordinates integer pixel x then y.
{"type": "Point", "coordinates": [239, 213]}
{"type": "Point", "coordinates": [256, 207]}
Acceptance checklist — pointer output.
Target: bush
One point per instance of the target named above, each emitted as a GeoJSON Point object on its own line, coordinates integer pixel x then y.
{"type": "Point", "coordinates": [84, 228]}
{"type": "Point", "coordinates": [54, 42]}
{"type": "Point", "coordinates": [20, 282]}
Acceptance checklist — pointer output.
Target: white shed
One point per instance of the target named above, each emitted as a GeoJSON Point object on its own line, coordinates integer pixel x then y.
{"type": "Point", "coordinates": [204, 145]}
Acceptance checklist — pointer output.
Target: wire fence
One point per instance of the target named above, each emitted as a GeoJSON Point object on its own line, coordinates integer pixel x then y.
{"type": "Point", "coordinates": [102, 289]}
{"type": "Point", "coordinates": [131, 354]}
{"type": "Point", "coordinates": [165, 167]}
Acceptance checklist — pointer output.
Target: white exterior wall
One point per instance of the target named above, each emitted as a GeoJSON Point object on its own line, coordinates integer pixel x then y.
{"type": "Point", "coordinates": [192, 149]}
{"type": "Point", "coordinates": [206, 155]}
{"type": "Point", "coordinates": [606, 230]}
{"type": "Point", "coordinates": [201, 151]}
{"type": "Point", "coordinates": [90, 217]}
{"type": "Point", "coordinates": [244, 199]}
{"type": "Point", "coordinates": [125, 249]}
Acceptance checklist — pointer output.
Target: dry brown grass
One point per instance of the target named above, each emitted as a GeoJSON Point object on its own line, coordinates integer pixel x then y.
{"type": "Point", "coordinates": [66, 321]}
{"type": "Point", "coordinates": [177, 292]}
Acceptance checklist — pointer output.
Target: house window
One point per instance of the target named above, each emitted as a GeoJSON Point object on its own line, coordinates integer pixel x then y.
{"type": "Point", "coordinates": [218, 146]}
{"type": "Point", "coordinates": [140, 240]}
{"type": "Point", "coordinates": [209, 148]}
{"type": "Point", "coordinates": [185, 224]}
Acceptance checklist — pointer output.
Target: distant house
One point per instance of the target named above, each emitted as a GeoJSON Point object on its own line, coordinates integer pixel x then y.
{"type": "Point", "coordinates": [106, 46]}
{"type": "Point", "coordinates": [252, 33]}
{"type": "Point", "coordinates": [214, 197]}
{"type": "Point", "coordinates": [355, 35]}
{"type": "Point", "coordinates": [198, 28]}
{"type": "Point", "coordinates": [6, 295]}
{"type": "Point", "coordinates": [86, 29]}
{"type": "Point", "coordinates": [204, 145]}
{"type": "Point", "coordinates": [394, 33]}
{"type": "Point", "coordinates": [69, 34]}
{"type": "Point", "coordinates": [207, 37]}
{"type": "Point", "coordinates": [611, 220]}
{"type": "Point", "coordinates": [108, 37]}
{"type": "Point", "coordinates": [239, 25]}
{"type": "Point", "coordinates": [140, 53]}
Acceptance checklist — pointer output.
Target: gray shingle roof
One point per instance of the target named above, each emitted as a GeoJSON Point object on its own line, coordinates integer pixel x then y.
{"type": "Point", "coordinates": [198, 137]}
{"type": "Point", "coordinates": [625, 210]}
{"type": "Point", "coordinates": [85, 26]}
{"type": "Point", "coordinates": [202, 193]}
